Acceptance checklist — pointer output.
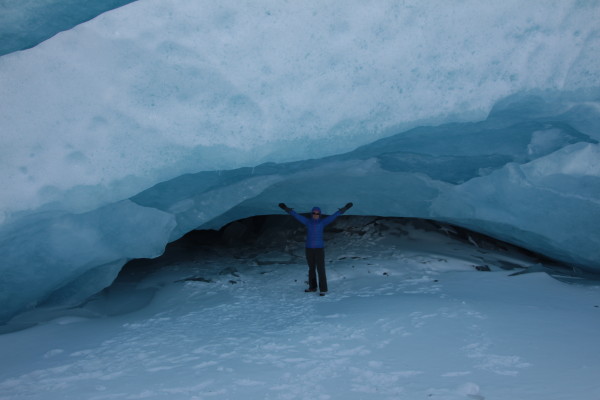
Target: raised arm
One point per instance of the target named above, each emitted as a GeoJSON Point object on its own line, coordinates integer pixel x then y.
{"type": "Point", "coordinates": [336, 214]}
{"type": "Point", "coordinates": [285, 208]}
{"type": "Point", "coordinates": [346, 207]}
{"type": "Point", "coordinates": [300, 218]}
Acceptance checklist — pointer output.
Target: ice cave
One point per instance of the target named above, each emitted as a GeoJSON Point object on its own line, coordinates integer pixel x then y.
{"type": "Point", "coordinates": [126, 125]}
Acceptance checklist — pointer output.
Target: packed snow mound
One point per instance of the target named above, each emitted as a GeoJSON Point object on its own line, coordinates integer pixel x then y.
{"type": "Point", "coordinates": [159, 117]}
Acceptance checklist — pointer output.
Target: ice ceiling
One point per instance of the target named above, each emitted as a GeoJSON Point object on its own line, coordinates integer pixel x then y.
{"type": "Point", "coordinates": [159, 117]}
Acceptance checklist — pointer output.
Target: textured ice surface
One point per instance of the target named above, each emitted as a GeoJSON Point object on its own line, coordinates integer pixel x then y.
{"type": "Point", "coordinates": [64, 258]}
{"type": "Point", "coordinates": [155, 89]}
{"type": "Point", "coordinates": [270, 100]}
{"type": "Point", "coordinates": [26, 23]}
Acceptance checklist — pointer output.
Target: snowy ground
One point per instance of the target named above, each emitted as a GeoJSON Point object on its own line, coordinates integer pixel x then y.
{"type": "Point", "coordinates": [408, 316]}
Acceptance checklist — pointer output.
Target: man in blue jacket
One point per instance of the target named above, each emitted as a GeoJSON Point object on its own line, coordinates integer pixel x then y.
{"type": "Point", "coordinates": [315, 252]}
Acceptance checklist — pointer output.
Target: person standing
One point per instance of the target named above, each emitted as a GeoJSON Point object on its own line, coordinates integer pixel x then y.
{"type": "Point", "coordinates": [315, 246]}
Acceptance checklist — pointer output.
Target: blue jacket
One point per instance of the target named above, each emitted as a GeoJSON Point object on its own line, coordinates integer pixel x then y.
{"type": "Point", "coordinates": [315, 228]}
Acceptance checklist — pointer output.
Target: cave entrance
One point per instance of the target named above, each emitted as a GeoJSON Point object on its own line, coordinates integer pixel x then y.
{"type": "Point", "coordinates": [279, 239]}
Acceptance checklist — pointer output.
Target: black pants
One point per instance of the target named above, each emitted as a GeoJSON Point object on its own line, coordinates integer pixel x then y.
{"type": "Point", "coordinates": [316, 264]}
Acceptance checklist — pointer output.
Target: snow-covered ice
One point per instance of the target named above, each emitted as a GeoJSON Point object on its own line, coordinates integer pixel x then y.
{"type": "Point", "coordinates": [126, 132]}
{"type": "Point", "coordinates": [408, 316]}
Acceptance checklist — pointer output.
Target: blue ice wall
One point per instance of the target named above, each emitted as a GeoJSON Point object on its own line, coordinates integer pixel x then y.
{"type": "Point", "coordinates": [25, 23]}
{"type": "Point", "coordinates": [525, 175]}
{"type": "Point", "coordinates": [162, 116]}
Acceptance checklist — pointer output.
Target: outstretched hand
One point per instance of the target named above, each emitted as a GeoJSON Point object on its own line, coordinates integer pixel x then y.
{"type": "Point", "coordinates": [346, 207]}
{"type": "Point", "coordinates": [284, 207]}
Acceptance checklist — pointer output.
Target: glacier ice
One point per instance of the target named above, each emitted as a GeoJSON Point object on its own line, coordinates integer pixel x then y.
{"type": "Point", "coordinates": [159, 117]}
{"type": "Point", "coordinates": [62, 258]}
{"type": "Point", "coordinates": [25, 23]}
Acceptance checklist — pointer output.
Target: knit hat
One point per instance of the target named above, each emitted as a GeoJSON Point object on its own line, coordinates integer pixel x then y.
{"type": "Point", "coordinates": [316, 209]}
